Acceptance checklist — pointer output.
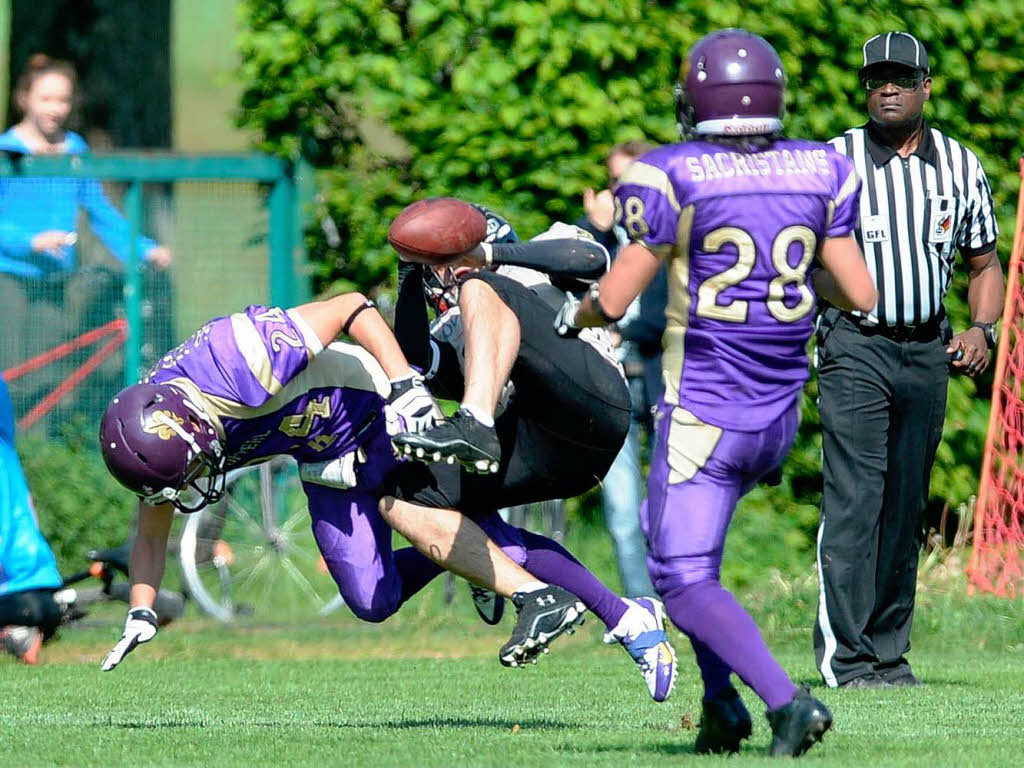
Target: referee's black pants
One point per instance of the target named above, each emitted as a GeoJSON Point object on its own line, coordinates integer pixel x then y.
{"type": "Point", "coordinates": [882, 404]}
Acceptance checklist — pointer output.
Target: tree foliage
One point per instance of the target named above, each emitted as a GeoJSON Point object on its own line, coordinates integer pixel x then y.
{"type": "Point", "coordinates": [513, 103]}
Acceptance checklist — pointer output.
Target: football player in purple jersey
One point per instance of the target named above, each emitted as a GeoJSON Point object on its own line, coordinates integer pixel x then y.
{"type": "Point", "coordinates": [754, 227]}
{"type": "Point", "coordinates": [269, 381]}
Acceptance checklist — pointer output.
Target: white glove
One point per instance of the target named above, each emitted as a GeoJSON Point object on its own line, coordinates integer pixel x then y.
{"type": "Point", "coordinates": [410, 407]}
{"type": "Point", "coordinates": [337, 473]}
{"type": "Point", "coordinates": [565, 318]}
{"type": "Point", "coordinates": [140, 627]}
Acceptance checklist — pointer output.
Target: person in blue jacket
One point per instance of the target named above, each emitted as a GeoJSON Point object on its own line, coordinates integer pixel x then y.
{"type": "Point", "coordinates": [38, 217]}
{"type": "Point", "coordinates": [28, 571]}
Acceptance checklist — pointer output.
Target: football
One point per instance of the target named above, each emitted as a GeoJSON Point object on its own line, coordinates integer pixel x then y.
{"type": "Point", "coordinates": [437, 230]}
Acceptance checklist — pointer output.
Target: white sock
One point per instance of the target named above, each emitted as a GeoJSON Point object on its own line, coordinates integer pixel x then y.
{"type": "Point", "coordinates": [532, 586]}
{"type": "Point", "coordinates": [479, 414]}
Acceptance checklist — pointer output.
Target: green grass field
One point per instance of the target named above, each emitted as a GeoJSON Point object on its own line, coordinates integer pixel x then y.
{"type": "Point", "coordinates": [425, 689]}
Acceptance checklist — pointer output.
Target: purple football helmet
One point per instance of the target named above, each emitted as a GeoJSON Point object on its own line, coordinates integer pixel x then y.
{"type": "Point", "coordinates": [158, 443]}
{"type": "Point", "coordinates": [732, 84]}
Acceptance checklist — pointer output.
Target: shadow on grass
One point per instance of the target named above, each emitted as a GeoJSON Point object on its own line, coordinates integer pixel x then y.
{"type": "Point", "coordinates": [685, 747]}
{"type": "Point", "coordinates": [427, 722]}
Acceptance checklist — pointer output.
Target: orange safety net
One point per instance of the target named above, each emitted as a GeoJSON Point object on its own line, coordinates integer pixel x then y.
{"type": "Point", "coordinates": [997, 560]}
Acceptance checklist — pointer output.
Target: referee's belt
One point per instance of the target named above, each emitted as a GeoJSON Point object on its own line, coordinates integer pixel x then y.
{"type": "Point", "coordinates": [926, 331]}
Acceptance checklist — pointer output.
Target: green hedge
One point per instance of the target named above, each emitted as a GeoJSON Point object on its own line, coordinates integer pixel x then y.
{"type": "Point", "coordinates": [513, 103]}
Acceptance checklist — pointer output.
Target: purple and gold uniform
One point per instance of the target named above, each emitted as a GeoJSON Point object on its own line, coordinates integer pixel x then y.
{"type": "Point", "coordinates": [272, 388]}
{"type": "Point", "coordinates": [740, 232]}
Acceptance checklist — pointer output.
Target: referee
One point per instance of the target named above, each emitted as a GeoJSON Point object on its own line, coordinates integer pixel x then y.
{"type": "Point", "coordinates": [882, 377]}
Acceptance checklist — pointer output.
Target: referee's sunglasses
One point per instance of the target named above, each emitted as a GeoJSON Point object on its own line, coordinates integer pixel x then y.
{"type": "Point", "coordinates": [910, 83]}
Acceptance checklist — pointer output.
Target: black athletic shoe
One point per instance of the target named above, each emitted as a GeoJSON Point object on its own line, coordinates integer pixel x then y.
{"type": "Point", "coordinates": [898, 674]}
{"type": "Point", "coordinates": [458, 438]}
{"type": "Point", "coordinates": [798, 725]}
{"type": "Point", "coordinates": [490, 606]}
{"type": "Point", "coordinates": [724, 723]}
{"type": "Point", "coordinates": [544, 614]}
{"type": "Point", "coordinates": [870, 680]}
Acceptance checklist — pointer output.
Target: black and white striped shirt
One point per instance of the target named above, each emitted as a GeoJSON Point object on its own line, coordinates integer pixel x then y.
{"type": "Point", "coordinates": [915, 213]}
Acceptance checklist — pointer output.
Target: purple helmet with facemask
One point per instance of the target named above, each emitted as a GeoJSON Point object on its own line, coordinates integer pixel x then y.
{"type": "Point", "coordinates": [162, 446]}
{"type": "Point", "coordinates": [732, 84]}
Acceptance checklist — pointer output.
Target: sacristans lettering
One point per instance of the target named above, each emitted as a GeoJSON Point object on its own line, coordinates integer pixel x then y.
{"type": "Point", "coordinates": [300, 425]}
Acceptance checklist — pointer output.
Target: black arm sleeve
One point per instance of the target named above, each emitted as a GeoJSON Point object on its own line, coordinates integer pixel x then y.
{"type": "Point", "coordinates": [412, 327]}
{"type": "Point", "coordinates": [562, 259]}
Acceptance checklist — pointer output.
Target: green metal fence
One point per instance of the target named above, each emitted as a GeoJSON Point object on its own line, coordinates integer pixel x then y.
{"type": "Point", "coordinates": [231, 223]}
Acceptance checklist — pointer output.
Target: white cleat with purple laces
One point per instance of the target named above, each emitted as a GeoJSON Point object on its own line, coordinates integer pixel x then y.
{"type": "Point", "coordinates": [641, 631]}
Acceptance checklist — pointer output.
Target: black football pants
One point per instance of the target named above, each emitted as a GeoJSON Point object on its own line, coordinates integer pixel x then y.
{"type": "Point", "coordinates": [882, 403]}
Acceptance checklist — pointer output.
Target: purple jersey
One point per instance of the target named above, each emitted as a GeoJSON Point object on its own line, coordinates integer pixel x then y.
{"type": "Point", "coordinates": [272, 388]}
{"type": "Point", "coordinates": [740, 231]}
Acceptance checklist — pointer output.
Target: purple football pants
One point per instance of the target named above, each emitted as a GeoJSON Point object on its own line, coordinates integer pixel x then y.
{"type": "Point", "coordinates": [375, 580]}
{"type": "Point", "coordinates": [698, 474]}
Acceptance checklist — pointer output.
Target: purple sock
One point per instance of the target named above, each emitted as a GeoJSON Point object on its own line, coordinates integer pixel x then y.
{"type": "Point", "coordinates": [713, 670]}
{"type": "Point", "coordinates": [415, 570]}
{"type": "Point", "coordinates": [708, 613]}
{"type": "Point", "coordinates": [549, 561]}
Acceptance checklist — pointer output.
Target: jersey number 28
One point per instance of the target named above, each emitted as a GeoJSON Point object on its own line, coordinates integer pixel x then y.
{"type": "Point", "coordinates": [736, 310]}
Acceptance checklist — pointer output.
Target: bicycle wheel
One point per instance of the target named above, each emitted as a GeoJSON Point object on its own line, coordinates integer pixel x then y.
{"type": "Point", "coordinates": [252, 555]}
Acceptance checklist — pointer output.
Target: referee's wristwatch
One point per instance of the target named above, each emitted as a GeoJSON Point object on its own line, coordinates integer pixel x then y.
{"type": "Point", "coordinates": [989, 329]}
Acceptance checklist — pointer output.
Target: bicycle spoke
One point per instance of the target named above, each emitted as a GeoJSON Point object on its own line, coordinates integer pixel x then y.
{"type": "Point", "coordinates": [295, 519]}
{"type": "Point", "coordinates": [242, 513]}
{"type": "Point", "coordinates": [301, 580]}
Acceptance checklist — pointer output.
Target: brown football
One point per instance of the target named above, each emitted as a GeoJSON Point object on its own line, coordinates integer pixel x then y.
{"type": "Point", "coordinates": [437, 230]}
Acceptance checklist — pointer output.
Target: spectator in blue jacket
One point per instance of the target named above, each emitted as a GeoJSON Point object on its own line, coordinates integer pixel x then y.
{"type": "Point", "coordinates": [28, 571]}
{"type": "Point", "coordinates": [38, 216]}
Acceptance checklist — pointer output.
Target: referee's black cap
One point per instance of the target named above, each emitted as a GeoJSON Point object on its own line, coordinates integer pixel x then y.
{"type": "Point", "coordinates": [894, 48]}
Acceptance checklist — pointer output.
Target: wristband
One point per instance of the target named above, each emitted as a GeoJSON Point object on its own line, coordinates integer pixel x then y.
{"type": "Point", "coordinates": [594, 292]}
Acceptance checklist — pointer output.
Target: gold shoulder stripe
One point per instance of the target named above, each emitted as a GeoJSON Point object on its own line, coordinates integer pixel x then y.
{"type": "Point", "coordinates": [339, 365]}
{"type": "Point", "coordinates": [251, 345]}
{"type": "Point", "coordinates": [313, 343]}
{"type": "Point", "coordinates": [645, 175]}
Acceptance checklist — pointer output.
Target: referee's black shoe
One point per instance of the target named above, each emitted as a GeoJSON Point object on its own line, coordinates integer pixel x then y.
{"type": "Point", "coordinates": [544, 614]}
{"type": "Point", "coordinates": [797, 726]}
{"type": "Point", "coordinates": [458, 438]}
{"type": "Point", "coordinates": [724, 723]}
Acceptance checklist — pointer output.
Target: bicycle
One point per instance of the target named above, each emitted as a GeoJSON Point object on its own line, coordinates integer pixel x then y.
{"type": "Point", "coordinates": [252, 555]}
{"type": "Point", "coordinates": [106, 566]}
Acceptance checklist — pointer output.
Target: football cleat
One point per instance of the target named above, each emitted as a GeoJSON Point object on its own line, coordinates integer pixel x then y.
{"type": "Point", "coordinates": [641, 631]}
{"type": "Point", "coordinates": [724, 723]}
{"type": "Point", "coordinates": [544, 614]}
{"type": "Point", "coordinates": [22, 642]}
{"type": "Point", "coordinates": [489, 605]}
{"type": "Point", "coordinates": [458, 438]}
{"type": "Point", "coordinates": [797, 726]}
